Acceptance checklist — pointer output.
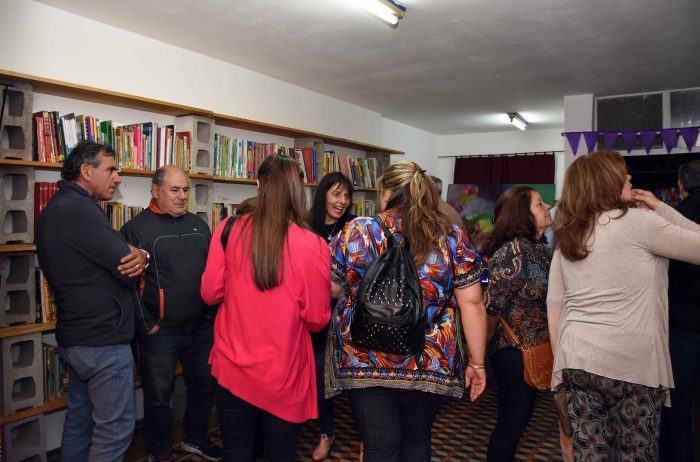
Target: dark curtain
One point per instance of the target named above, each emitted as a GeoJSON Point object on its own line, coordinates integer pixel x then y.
{"type": "Point", "coordinates": [504, 169]}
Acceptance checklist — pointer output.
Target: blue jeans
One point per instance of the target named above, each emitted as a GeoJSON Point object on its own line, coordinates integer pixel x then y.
{"type": "Point", "coordinates": [239, 421]}
{"type": "Point", "coordinates": [158, 355]}
{"type": "Point", "coordinates": [515, 403]}
{"type": "Point", "coordinates": [100, 418]}
{"type": "Point", "coordinates": [677, 421]}
{"type": "Point", "coordinates": [395, 425]}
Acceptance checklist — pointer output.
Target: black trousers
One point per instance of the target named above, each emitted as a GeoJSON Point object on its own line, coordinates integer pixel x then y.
{"type": "Point", "coordinates": [515, 403]}
{"type": "Point", "coordinates": [238, 421]}
{"type": "Point", "coordinates": [395, 425]}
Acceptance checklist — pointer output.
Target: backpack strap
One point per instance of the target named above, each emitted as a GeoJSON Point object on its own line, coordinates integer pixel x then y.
{"type": "Point", "coordinates": [227, 230]}
{"type": "Point", "coordinates": [385, 230]}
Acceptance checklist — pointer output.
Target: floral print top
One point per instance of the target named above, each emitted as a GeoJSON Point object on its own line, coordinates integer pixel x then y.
{"type": "Point", "coordinates": [517, 290]}
{"type": "Point", "coordinates": [439, 368]}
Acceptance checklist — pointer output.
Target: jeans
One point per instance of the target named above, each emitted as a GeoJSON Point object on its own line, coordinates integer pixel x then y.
{"type": "Point", "coordinates": [325, 406]}
{"type": "Point", "coordinates": [100, 419]}
{"type": "Point", "coordinates": [395, 425]}
{"type": "Point", "coordinates": [158, 355]}
{"type": "Point", "coordinates": [238, 421]}
{"type": "Point", "coordinates": [515, 403]}
{"type": "Point", "coordinates": [677, 421]}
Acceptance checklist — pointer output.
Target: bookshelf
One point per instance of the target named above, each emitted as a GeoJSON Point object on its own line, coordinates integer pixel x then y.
{"type": "Point", "coordinates": [66, 97]}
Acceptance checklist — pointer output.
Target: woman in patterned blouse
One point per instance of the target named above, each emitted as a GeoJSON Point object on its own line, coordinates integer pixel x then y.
{"type": "Point", "coordinates": [395, 397]}
{"type": "Point", "coordinates": [517, 291]}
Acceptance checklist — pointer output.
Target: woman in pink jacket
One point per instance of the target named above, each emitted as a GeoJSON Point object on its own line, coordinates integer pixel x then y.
{"type": "Point", "coordinates": [273, 283]}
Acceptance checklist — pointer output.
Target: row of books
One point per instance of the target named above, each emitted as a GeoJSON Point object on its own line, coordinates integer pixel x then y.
{"type": "Point", "coordinates": [143, 146]}
{"type": "Point", "coordinates": [45, 304]}
{"type": "Point", "coordinates": [363, 173]}
{"type": "Point", "coordinates": [43, 191]}
{"type": "Point", "coordinates": [237, 158]}
{"type": "Point", "coordinates": [119, 213]}
{"type": "Point", "coordinates": [219, 212]}
{"type": "Point", "coordinates": [55, 373]}
{"type": "Point", "coordinates": [363, 208]}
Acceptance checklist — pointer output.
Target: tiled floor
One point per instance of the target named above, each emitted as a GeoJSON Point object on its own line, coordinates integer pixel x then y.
{"type": "Point", "coordinates": [460, 433]}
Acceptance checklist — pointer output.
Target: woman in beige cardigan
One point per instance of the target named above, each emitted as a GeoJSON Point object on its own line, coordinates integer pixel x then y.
{"type": "Point", "coordinates": [608, 308]}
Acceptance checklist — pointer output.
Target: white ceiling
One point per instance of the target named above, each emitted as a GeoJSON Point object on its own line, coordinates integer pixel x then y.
{"type": "Point", "coordinates": [452, 66]}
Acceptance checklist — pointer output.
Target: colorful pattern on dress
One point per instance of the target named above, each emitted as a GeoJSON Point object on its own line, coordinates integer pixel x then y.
{"type": "Point", "coordinates": [613, 419]}
{"type": "Point", "coordinates": [439, 368]}
{"type": "Point", "coordinates": [517, 290]}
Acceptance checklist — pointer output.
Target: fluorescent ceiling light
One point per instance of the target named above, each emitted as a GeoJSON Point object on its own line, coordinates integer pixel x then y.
{"type": "Point", "coordinates": [517, 120]}
{"type": "Point", "coordinates": [387, 10]}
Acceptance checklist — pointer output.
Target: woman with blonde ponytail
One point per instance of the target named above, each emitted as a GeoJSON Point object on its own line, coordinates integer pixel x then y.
{"type": "Point", "coordinates": [395, 397]}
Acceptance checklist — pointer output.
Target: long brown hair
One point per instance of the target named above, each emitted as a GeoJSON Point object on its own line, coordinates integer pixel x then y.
{"type": "Point", "coordinates": [592, 185]}
{"type": "Point", "coordinates": [281, 201]}
{"type": "Point", "coordinates": [513, 218]}
{"type": "Point", "coordinates": [415, 198]}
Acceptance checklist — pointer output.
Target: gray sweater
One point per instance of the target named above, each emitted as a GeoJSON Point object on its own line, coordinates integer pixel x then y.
{"type": "Point", "coordinates": [608, 313]}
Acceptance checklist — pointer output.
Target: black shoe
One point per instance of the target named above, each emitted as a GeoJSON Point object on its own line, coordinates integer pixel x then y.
{"type": "Point", "coordinates": [207, 452]}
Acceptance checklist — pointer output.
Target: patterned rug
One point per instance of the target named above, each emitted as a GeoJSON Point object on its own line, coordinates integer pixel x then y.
{"type": "Point", "coordinates": [460, 433]}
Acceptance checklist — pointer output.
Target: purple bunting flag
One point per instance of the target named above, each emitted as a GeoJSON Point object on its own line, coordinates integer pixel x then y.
{"type": "Point", "coordinates": [690, 136]}
{"type": "Point", "coordinates": [574, 138]}
{"type": "Point", "coordinates": [629, 138]}
{"type": "Point", "coordinates": [648, 138]}
{"type": "Point", "coordinates": [590, 138]}
{"type": "Point", "coordinates": [609, 139]}
{"type": "Point", "coordinates": [670, 137]}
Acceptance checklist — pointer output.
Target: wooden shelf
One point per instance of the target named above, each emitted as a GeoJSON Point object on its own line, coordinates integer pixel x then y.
{"type": "Point", "coordinates": [97, 95]}
{"type": "Point", "coordinates": [14, 331]}
{"type": "Point", "coordinates": [13, 248]}
{"type": "Point", "coordinates": [50, 406]}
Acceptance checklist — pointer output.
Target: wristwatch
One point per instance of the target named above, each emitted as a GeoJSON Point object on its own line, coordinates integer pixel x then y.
{"type": "Point", "coordinates": [148, 258]}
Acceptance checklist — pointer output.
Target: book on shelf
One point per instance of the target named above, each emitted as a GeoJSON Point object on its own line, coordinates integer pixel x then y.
{"type": "Point", "coordinates": [43, 192]}
{"type": "Point", "coordinates": [55, 373]}
{"type": "Point", "coordinates": [119, 213]}
{"type": "Point", "coordinates": [238, 158]}
{"type": "Point", "coordinates": [363, 207]}
{"type": "Point", "coordinates": [219, 213]}
{"type": "Point", "coordinates": [363, 173]}
{"type": "Point", "coordinates": [45, 304]}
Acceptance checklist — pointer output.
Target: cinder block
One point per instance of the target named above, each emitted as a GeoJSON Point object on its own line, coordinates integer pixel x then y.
{"type": "Point", "coordinates": [200, 198]}
{"type": "Point", "coordinates": [17, 288]}
{"type": "Point", "coordinates": [25, 440]}
{"type": "Point", "coordinates": [16, 205]}
{"type": "Point", "coordinates": [202, 131]}
{"type": "Point", "coordinates": [16, 132]}
{"type": "Point", "coordinates": [22, 372]}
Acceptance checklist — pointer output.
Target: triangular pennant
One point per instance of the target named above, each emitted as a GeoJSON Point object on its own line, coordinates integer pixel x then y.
{"type": "Point", "coordinates": [670, 137]}
{"type": "Point", "coordinates": [629, 138]}
{"type": "Point", "coordinates": [590, 138]}
{"type": "Point", "coordinates": [609, 139]}
{"type": "Point", "coordinates": [574, 138]}
{"type": "Point", "coordinates": [648, 138]}
{"type": "Point", "coordinates": [690, 136]}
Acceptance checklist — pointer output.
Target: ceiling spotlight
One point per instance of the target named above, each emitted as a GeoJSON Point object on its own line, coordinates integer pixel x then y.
{"type": "Point", "coordinates": [517, 120]}
{"type": "Point", "coordinates": [387, 10]}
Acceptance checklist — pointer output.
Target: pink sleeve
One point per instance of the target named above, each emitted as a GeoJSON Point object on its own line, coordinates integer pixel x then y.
{"type": "Point", "coordinates": [214, 276]}
{"type": "Point", "coordinates": [316, 306]}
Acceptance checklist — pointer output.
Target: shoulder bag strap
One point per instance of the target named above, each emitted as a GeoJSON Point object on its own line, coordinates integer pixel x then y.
{"type": "Point", "coordinates": [385, 230]}
{"type": "Point", "coordinates": [227, 230]}
{"type": "Point", "coordinates": [510, 333]}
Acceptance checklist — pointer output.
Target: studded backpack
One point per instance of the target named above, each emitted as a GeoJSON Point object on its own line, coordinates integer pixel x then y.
{"type": "Point", "coordinates": [388, 313]}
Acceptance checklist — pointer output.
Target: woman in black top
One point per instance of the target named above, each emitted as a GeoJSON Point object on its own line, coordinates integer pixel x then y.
{"type": "Point", "coordinates": [329, 214]}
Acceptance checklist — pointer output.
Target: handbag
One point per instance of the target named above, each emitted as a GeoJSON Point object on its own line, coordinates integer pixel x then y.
{"type": "Point", "coordinates": [537, 359]}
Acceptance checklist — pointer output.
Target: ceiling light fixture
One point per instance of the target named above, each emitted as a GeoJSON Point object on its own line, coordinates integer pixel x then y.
{"type": "Point", "coordinates": [387, 10]}
{"type": "Point", "coordinates": [517, 120]}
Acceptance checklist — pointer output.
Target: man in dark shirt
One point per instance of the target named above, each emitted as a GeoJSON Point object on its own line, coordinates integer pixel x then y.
{"type": "Point", "coordinates": [92, 271]}
{"type": "Point", "coordinates": [173, 323]}
{"type": "Point", "coordinates": [684, 334]}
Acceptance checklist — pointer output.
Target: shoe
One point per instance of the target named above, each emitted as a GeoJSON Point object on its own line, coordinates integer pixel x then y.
{"type": "Point", "coordinates": [323, 448]}
{"type": "Point", "coordinates": [165, 458]}
{"type": "Point", "coordinates": [207, 452]}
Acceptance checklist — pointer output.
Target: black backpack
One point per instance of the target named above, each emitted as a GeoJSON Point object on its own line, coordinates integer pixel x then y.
{"type": "Point", "coordinates": [388, 314]}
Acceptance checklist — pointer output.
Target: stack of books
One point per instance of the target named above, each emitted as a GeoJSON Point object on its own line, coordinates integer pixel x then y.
{"type": "Point", "coordinates": [363, 173]}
